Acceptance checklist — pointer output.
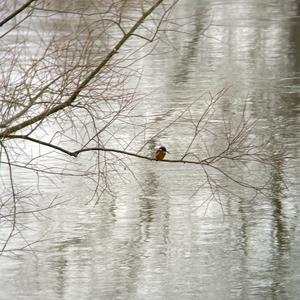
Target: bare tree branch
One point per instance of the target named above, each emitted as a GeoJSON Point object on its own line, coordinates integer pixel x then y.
{"type": "Point", "coordinates": [12, 219]}
{"type": "Point", "coordinates": [16, 12]}
{"type": "Point", "coordinates": [85, 82]}
{"type": "Point", "coordinates": [74, 95]}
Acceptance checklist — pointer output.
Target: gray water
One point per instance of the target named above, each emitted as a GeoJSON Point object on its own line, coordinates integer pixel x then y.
{"type": "Point", "coordinates": [155, 236]}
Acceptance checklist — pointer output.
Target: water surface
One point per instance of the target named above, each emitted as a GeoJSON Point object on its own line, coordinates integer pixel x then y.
{"type": "Point", "coordinates": [157, 236]}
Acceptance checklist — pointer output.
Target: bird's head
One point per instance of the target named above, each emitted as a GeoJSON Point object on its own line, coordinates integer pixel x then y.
{"type": "Point", "coordinates": [164, 149]}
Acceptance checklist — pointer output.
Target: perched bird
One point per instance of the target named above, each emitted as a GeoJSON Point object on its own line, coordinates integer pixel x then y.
{"type": "Point", "coordinates": [160, 153]}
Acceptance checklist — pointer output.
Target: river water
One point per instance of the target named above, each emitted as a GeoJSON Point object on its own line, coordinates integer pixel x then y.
{"type": "Point", "coordinates": [155, 236]}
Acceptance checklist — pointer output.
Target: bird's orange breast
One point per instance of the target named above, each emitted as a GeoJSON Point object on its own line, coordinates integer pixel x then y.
{"type": "Point", "coordinates": [160, 155]}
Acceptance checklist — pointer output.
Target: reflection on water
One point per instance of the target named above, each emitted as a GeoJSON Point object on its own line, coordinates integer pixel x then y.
{"type": "Point", "coordinates": [157, 237]}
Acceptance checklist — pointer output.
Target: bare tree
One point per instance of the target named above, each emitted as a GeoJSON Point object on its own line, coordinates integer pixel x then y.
{"type": "Point", "coordinates": [70, 92]}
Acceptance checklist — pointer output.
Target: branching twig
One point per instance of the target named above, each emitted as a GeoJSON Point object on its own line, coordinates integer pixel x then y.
{"type": "Point", "coordinates": [16, 12]}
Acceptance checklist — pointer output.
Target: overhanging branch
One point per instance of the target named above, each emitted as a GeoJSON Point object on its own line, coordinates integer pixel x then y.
{"type": "Point", "coordinates": [85, 82]}
{"type": "Point", "coordinates": [16, 12]}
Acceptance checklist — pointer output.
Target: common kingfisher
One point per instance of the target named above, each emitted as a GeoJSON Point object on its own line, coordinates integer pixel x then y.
{"type": "Point", "coordinates": [160, 153]}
